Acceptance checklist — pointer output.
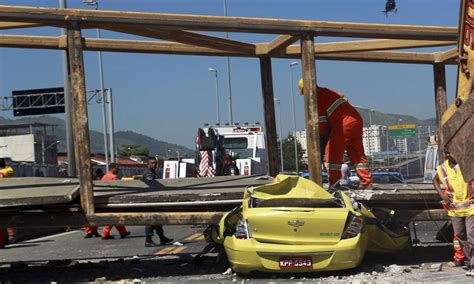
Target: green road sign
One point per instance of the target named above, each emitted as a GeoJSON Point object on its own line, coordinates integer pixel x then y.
{"type": "Point", "coordinates": [401, 131]}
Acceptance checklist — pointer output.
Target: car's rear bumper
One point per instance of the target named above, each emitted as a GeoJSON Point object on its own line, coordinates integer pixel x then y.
{"type": "Point", "coordinates": [250, 255]}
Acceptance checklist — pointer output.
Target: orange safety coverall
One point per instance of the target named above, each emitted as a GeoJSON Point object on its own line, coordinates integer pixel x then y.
{"type": "Point", "coordinates": [120, 228]}
{"type": "Point", "coordinates": [344, 125]}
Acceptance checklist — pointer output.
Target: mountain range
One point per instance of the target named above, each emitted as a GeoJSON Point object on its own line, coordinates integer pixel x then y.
{"type": "Point", "coordinates": [155, 146]}
{"type": "Point", "coordinates": [165, 149]}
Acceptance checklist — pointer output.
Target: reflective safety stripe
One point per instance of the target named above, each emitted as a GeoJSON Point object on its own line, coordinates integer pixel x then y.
{"type": "Point", "coordinates": [362, 166]}
{"type": "Point", "coordinates": [334, 167]}
{"type": "Point", "coordinates": [461, 205]}
{"type": "Point", "coordinates": [334, 105]}
{"type": "Point", "coordinates": [323, 118]}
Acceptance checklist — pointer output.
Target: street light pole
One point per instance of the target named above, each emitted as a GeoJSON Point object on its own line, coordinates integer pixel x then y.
{"type": "Point", "coordinates": [101, 79]}
{"type": "Point", "coordinates": [294, 115]}
{"type": "Point", "coordinates": [68, 109]}
{"type": "Point", "coordinates": [281, 140]}
{"type": "Point", "coordinates": [217, 94]}
{"type": "Point", "coordinates": [231, 121]}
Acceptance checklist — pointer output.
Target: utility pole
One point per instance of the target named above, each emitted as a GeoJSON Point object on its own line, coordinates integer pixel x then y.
{"type": "Point", "coordinates": [229, 82]}
{"type": "Point", "coordinates": [68, 107]}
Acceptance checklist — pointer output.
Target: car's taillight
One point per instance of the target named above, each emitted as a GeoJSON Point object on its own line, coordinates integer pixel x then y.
{"type": "Point", "coordinates": [354, 226]}
{"type": "Point", "coordinates": [241, 230]}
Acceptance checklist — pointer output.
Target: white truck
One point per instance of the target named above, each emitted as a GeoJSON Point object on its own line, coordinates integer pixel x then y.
{"type": "Point", "coordinates": [431, 160]}
{"type": "Point", "coordinates": [245, 141]}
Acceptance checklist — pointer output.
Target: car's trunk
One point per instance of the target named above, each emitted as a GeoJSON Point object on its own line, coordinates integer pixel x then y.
{"type": "Point", "coordinates": [297, 225]}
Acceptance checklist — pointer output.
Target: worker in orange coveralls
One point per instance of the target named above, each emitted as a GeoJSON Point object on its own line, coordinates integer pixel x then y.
{"type": "Point", "coordinates": [341, 126]}
{"type": "Point", "coordinates": [112, 175]}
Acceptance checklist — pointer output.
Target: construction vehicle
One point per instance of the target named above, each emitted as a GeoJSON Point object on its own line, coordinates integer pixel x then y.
{"type": "Point", "coordinates": [457, 123]}
{"type": "Point", "coordinates": [246, 145]}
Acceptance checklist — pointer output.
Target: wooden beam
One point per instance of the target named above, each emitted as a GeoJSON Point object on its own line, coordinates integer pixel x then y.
{"type": "Point", "coordinates": [98, 19]}
{"type": "Point", "coordinates": [441, 103]}
{"type": "Point", "coordinates": [381, 56]}
{"type": "Point", "coordinates": [280, 43]}
{"type": "Point", "coordinates": [67, 219]}
{"type": "Point", "coordinates": [189, 38]}
{"type": "Point", "coordinates": [450, 55]}
{"type": "Point", "coordinates": [269, 114]}
{"type": "Point", "coordinates": [17, 25]}
{"type": "Point", "coordinates": [80, 117]}
{"type": "Point", "coordinates": [368, 45]}
{"type": "Point", "coordinates": [311, 109]}
{"type": "Point", "coordinates": [142, 46]}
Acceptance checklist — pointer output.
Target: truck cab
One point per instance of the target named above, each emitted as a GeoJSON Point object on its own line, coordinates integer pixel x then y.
{"type": "Point", "coordinates": [246, 142]}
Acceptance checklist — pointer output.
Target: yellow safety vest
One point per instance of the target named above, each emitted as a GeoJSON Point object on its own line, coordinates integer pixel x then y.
{"type": "Point", "coordinates": [462, 205]}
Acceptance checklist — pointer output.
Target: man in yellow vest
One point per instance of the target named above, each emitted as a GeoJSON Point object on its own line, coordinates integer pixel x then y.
{"type": "Point", "coordinates": [458, 200]}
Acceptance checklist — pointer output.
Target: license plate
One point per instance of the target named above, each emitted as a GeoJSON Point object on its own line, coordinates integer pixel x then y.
{"type": "Point", "coordinates": [288, 262]}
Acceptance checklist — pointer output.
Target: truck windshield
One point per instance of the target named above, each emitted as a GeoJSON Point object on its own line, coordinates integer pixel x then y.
{"type": "Point", "coordinates": [235, 143]}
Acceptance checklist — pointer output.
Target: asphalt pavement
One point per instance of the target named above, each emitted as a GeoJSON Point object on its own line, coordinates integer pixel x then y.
{"type": "Point", "coordinates": [68, 257]}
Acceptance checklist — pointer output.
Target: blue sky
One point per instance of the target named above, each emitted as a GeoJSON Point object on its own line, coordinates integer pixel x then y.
{"type": "Point", "coordinates": [168, 97]}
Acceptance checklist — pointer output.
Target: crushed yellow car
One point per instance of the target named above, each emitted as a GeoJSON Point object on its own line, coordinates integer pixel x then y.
{"type": "Point", "coordinates": [294, 225]}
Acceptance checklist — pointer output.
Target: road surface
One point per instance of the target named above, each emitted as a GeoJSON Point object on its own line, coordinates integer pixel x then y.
{"type": "Point", "coordinates": [68, 257]}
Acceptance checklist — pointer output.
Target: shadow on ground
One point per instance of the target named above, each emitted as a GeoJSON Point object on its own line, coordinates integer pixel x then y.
{"type": "Point", "coordinates": [185, 265]}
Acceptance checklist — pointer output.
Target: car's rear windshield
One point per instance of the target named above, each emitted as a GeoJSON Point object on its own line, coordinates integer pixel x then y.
{"type": "Point", "coordinates": [297, 202]}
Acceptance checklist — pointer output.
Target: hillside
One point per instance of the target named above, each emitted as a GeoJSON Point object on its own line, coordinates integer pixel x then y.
{"type": "Point", "coordinates": [156, 147]}
{"type": "Point", "coordinates": [162, 148]}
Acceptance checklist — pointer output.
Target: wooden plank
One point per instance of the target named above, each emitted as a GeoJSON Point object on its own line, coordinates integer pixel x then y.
{"type": "Point", "coordinates": [280, 43]}
{"type": "Point", "coordinates": [154, 218]}
{"type": "Point", "coordinates": [141, 46]}
{"type": "Point", "coordinates": [80, 117]}
{"type": "Point", "coordinates": [190, 38]}
{"type": "Point", "coordinates": [97, 19]}
{"type": "Point", "coordinates": [441, 103]}
{"type": "Point", "coordinates": [311, 109]}
{"type": "Point", "coordinates": [450, 55]}
{"type": "Point", "coordinates": [269, 114]}
{"type": "Point", "coordinates": [368, 45]}
{"type": "Point", "coordinates": [65, 219]}
{"type": "Point", "coordinates": [17, 25]}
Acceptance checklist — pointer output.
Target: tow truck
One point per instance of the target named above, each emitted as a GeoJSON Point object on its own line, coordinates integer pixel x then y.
{"type": "Point", "coordinates": [246, 143]}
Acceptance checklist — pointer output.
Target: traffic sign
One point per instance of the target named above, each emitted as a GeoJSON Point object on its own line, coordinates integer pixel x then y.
{"type": "Point", "coordinates": [401, 131]}
{"type": "Point", "coordinates": [38, 101]}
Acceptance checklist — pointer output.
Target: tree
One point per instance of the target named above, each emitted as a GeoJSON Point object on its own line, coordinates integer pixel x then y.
{"type": "Point", "coordinates": [133, 150]}
{"type": "Point", "coordinates": [289, 153]}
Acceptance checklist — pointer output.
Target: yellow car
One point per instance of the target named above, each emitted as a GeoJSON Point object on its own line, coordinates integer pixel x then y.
{"type": "Point", "coordinates": [294, 225]}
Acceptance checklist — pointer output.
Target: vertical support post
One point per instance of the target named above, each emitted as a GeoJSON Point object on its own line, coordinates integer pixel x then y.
{"type": "Point", "coordinates": [269, 114]}
{"type": "Point", "coordinates": [440, 102]}
{"type": "Point", "coordinates": [311, 109]}
{"type": "Point", "coordinates": [80, 117]}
